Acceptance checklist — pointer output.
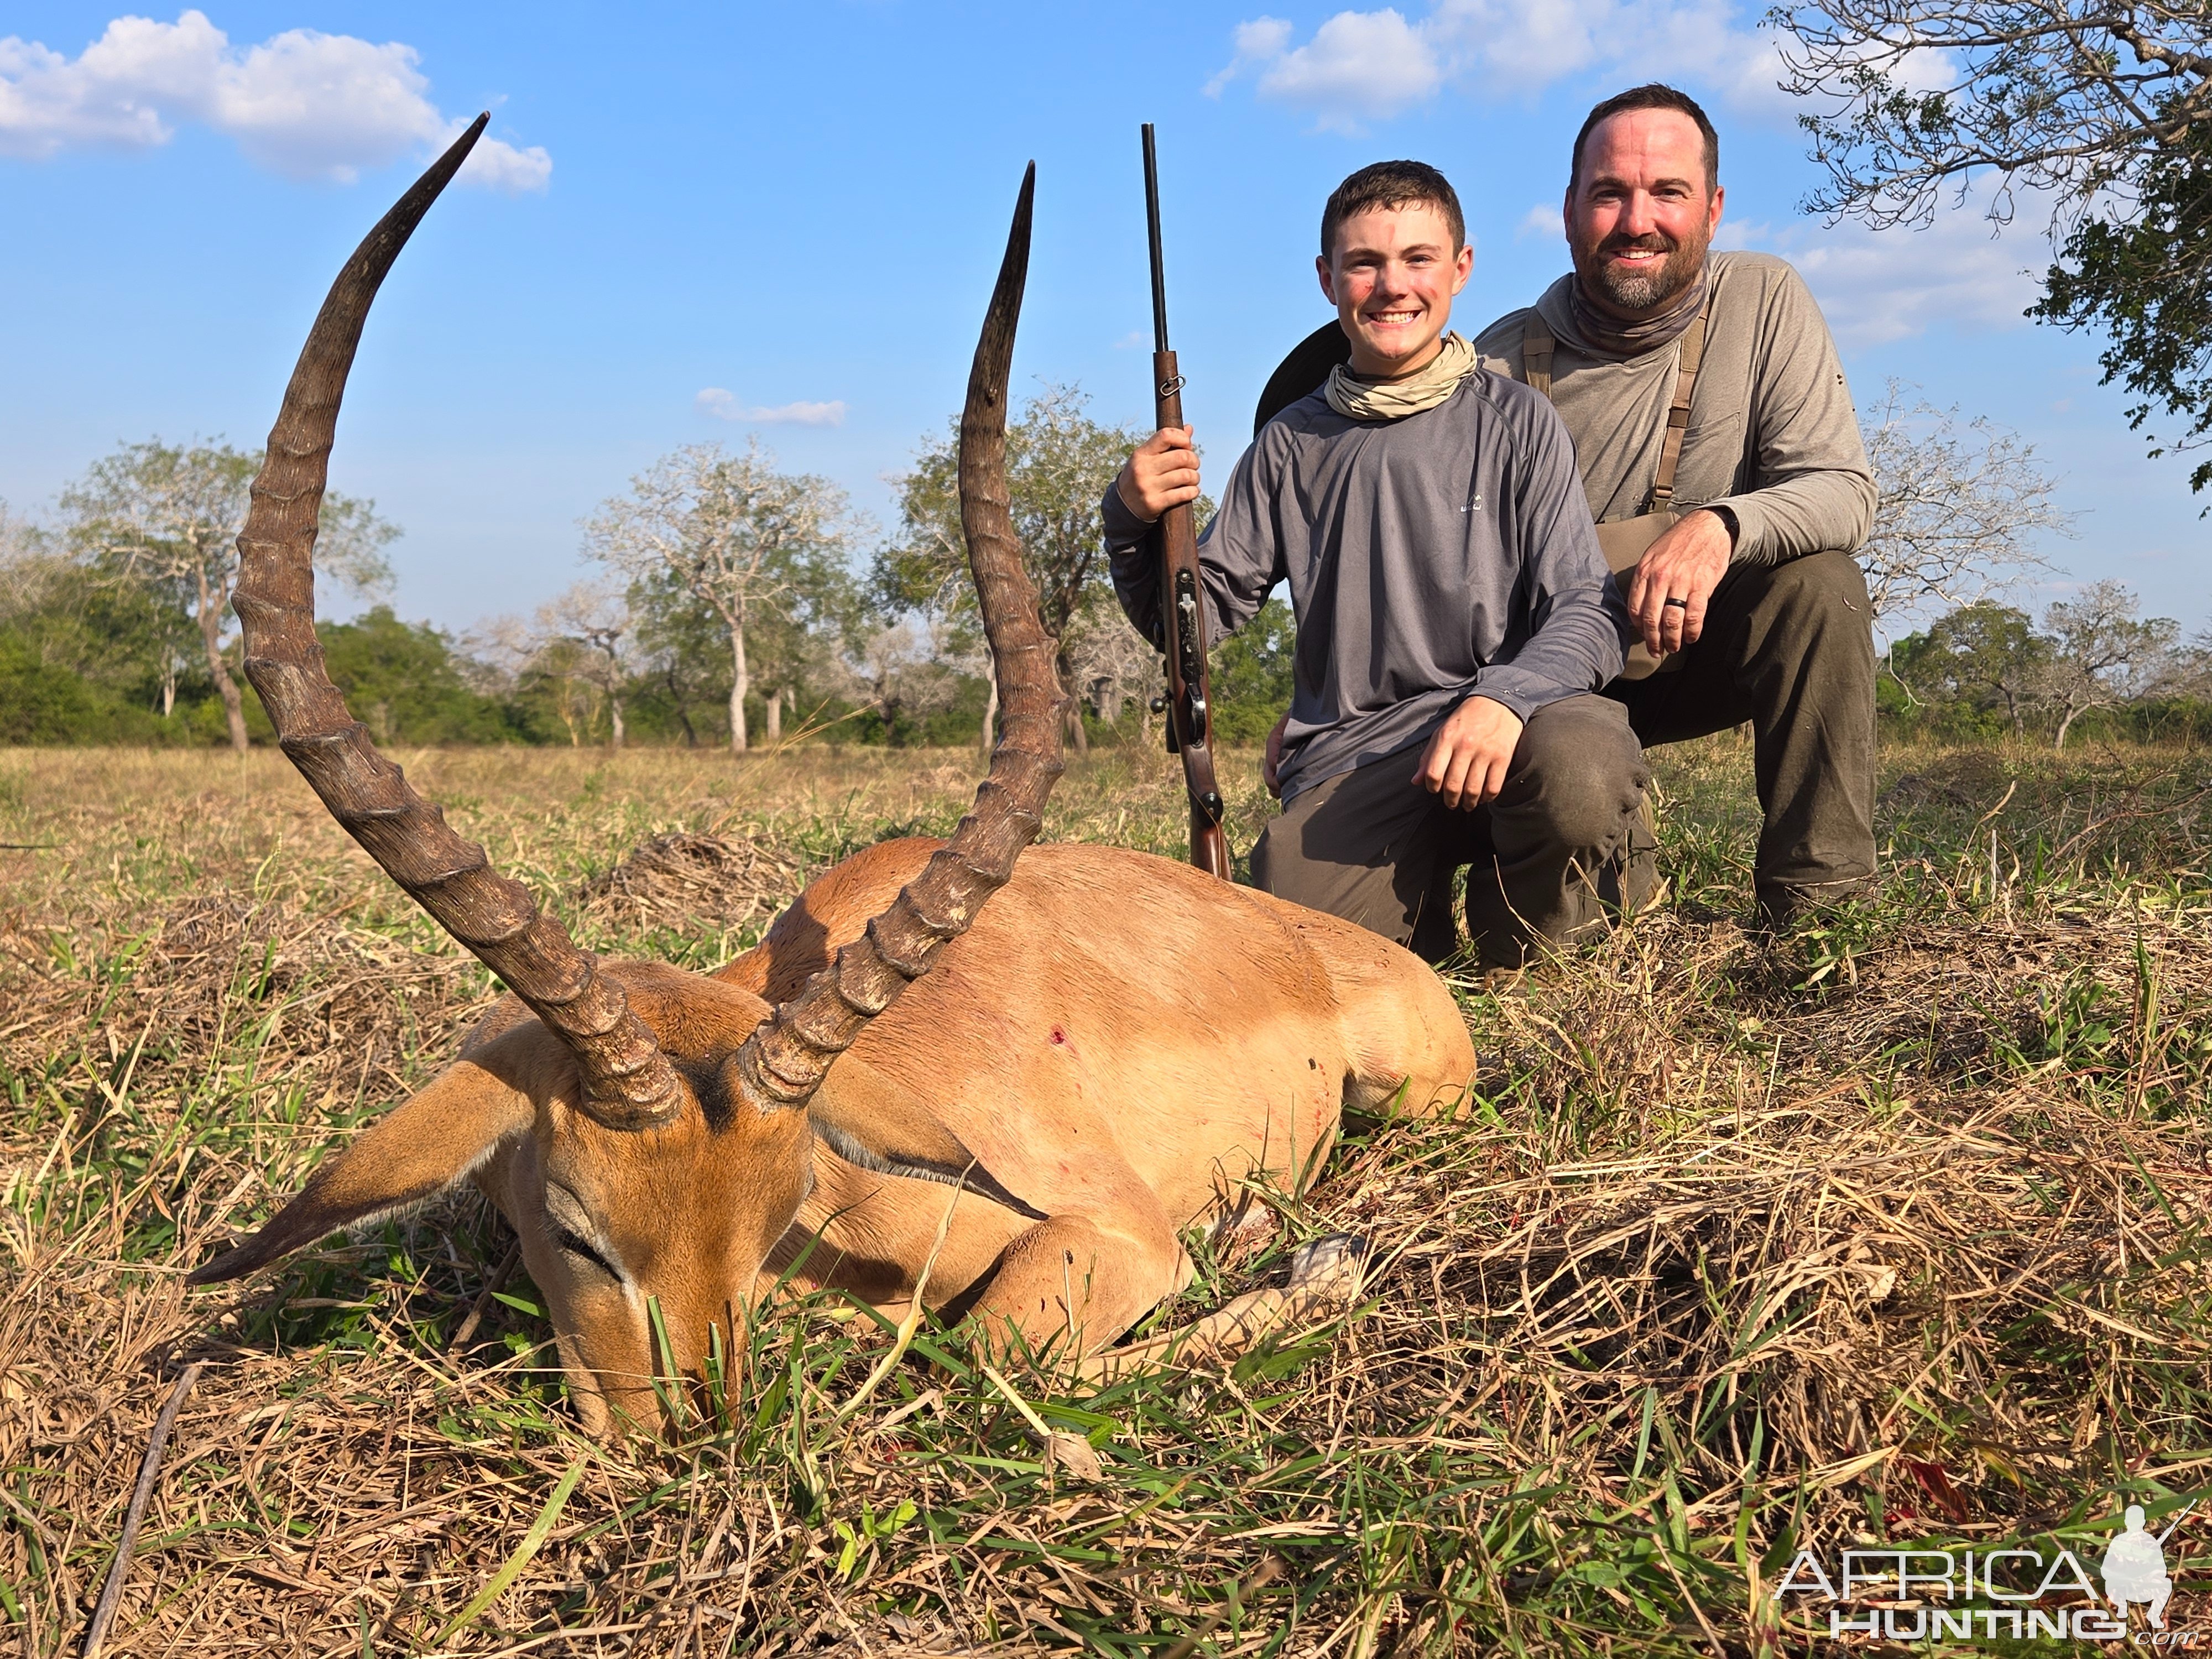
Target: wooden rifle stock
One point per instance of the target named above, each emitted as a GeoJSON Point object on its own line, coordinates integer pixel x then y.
{"type": "Point", "coordinates": [1183, 597]}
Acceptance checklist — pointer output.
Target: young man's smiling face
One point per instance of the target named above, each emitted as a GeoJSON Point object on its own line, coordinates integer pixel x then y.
{"type": "Point", "coordinates": [1392, 275]}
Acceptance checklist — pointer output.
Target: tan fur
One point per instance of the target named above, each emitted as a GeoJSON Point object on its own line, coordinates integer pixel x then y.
{"type": "Point", "coordinates": [1119, 1043]}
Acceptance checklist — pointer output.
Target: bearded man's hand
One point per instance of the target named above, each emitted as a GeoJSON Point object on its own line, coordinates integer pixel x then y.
{"type": "Point", "coordinates": [1674, 581]}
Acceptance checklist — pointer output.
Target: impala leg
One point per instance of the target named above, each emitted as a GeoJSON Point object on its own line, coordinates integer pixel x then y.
{"type": "Point", "coordinates": [1325, 1279]}
{"type": "Point", "coordinates": [1074, 1283]}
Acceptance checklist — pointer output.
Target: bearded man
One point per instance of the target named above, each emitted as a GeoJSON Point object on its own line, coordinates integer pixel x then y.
{"type": "Point", "coordinates": [1722, 459]}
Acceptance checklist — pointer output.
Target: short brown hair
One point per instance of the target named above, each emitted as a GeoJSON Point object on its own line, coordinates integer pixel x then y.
{"type": "Point", "coordinates": [1653, 96]}
{"type": "Point", "coordinates": [1392, 184]}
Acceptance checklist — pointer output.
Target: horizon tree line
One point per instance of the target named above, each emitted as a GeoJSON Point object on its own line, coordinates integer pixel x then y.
{"type": "Point", "coordinates": [726, 597]}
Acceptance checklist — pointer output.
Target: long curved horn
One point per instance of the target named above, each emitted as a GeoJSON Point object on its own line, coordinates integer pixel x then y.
{"type": "Point", "coordinates": [785, 1057]}
{"type": "Point", "coordinates": [627, 1082]}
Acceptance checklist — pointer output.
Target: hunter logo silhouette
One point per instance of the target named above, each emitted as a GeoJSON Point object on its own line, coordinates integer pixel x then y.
{"type": "Point", "coordinates": [2135, 1566]}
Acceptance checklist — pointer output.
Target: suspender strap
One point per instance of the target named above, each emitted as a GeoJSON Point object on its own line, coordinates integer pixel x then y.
{"type": "Point", "coordinates": [1536, 343]}
{"type": "Point", "coordinates": [1678, 412]}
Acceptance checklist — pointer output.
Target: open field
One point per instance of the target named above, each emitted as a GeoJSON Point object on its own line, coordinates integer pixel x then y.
{"type": "Point", "coordinates": [1896, 1231]}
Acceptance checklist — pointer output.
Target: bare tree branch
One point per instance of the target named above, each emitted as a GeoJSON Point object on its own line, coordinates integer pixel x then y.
{"type": "Point", "coordinates": [1956, 506]}
{"type": "Point", "coordinates": [1913, 99]}
{"type": "Point", "coordinates": [167, 517]}
{"type": "Point", "coordinates": [2105, 653]}
{"type": "Point", "coordinates": [731, 532]}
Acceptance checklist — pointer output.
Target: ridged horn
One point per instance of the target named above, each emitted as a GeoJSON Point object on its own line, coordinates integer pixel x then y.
{"type": "Point", "coordinates": [628, 1084]}
{"type": "Point", "coordinates": [785, 1060]}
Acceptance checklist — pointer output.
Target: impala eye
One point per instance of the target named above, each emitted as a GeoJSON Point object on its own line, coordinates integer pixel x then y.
{"type": "Point", "coordinates": [568, 1223]}
{"type": "Point", "coordinates": [573, 1245]}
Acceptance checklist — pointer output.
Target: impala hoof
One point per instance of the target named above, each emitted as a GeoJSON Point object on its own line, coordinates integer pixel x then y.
{"type": "Point", "coordinates": [1331, 1268]}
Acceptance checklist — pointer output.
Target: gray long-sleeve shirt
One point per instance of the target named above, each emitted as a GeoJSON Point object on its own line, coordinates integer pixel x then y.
{"type": "Point", "coordinates": [1771, 432]}
{"type": "Point", "coordinates": [1431, 558]}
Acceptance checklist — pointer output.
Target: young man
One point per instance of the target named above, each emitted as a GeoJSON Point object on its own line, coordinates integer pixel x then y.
{"type": "Point", "coordinates": [1753, 590]}
{"type": "Point", "coordinates": [1455, 614]}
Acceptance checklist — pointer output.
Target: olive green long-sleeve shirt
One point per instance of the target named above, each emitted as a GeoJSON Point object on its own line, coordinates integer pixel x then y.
{"type": "Point", "coordinates": [1773, 432]}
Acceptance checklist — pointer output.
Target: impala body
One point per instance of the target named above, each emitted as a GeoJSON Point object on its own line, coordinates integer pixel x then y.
{"type": "Point", "coordinates": [1024, 1101]}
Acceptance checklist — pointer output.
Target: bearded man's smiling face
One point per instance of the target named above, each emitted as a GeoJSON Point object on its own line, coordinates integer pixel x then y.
{"type": "Point", "coordinates": [1641, 210]}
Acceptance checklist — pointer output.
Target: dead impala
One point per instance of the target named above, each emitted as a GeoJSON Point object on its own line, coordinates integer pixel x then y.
{"type": "Point", "coordinates": [1091, 1081]}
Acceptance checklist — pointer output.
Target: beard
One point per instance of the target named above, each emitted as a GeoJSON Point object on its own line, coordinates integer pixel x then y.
{"type": "Point", "coordinates": [1637, 293]}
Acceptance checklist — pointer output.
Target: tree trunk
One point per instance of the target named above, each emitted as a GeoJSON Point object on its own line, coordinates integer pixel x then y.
{"type": "Point", "coordinates": [740, 682]}
{"type": "Point", "coordinates": [775, 717]}
{"type": "Point", "coordinates": [615, 721]}
{"type": "Point", "coordinates": [683, 705]}
{"type": "Point", "coordinates": [1078, 739]}
{"type": "Point", "coordinates": [169, 688]}
{"type": "Point", "coordinates": [990, 707]}
{"type": "Point", "coordinates": [2058, 743]}
{"type": "Point", "coordinates": [210, 620]}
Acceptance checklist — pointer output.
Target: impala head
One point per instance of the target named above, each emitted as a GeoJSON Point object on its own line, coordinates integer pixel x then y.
{"type": "Point", "coordinates": [649, 1131]}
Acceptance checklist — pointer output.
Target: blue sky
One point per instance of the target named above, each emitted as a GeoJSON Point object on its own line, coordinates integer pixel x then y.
{"type": "Point", "coordinates": [801, 208]}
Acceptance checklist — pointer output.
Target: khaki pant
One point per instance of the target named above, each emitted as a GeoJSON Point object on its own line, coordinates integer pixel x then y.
{"type": "Point", "coordinates": [1561, 848]}
{"type": "Point", "coordinates": [1790, 649]}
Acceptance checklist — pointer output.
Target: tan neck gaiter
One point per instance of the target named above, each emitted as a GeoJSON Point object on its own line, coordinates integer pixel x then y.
{"type": "Point", "coordinates": [1358, 398]}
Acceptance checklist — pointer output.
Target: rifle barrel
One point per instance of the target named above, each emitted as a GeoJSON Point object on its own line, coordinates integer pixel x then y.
{"type": "Point", "coordinates": [1152, 233]}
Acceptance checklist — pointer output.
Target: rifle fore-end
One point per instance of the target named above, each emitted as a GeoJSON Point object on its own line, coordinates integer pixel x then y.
{"type": "Point", "coordinates": [1182, 618]}
{"type": "Point", "coordinates": [1178, 526]}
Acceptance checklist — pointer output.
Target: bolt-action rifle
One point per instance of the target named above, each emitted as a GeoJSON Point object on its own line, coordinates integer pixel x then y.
{"type": "Point", "coordinates": [1182, 607]}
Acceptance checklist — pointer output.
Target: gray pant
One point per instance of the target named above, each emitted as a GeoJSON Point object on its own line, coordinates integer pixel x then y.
{"type": "Point", "coordinates": [1790, 649]}
{"type": "Point", "coordinates": [1562, 845]}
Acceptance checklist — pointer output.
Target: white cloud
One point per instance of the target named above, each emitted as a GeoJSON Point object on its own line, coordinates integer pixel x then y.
{"type": "Point", "coordinates": [723, 406]}
{"type": "Point", "coordinates": [1542, 219]}
{"type": "Point", "coordinates": [1876, 286]}
{"type": "Point", "coordinates": [303, 103]}
{"type": "Point", "coordinates": [1359, 66]}
{"type": "Point", "coordinates": [1370, 65]}
{"type": "Point", "coordinates": [1258, 42]}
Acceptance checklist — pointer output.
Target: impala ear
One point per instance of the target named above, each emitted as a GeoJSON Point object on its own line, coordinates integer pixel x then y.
{"type": "Point", "coordinates": [416, 1151]}
{"type": "Point", "coordinates": [871, 1121]}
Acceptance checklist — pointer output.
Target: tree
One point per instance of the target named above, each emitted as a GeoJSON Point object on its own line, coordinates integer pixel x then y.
{"type": "Point", "coordinates": [2104, 653]}
{"type": "Point", "coordinates": [72, 651]}
{"type": "Point", "coordinates": [1111, 662]}
{"type": "Point", "coordinates": [750, 544]}
{"type": "Point", "coordinates": [593, 621]}
{"type": "Point", "coordinates": [1255, 674]}
{"type": "Point", "coordinates": [1984, 657]}
{"type": "Point", "coordinates": [2096, 109]}
{"type": "Point", "coordinates": [902, 673]}
{"type": "Point", "coordinates": [2147, 280]}
{"type": "Point", "coordinates": [684, 651]}
{"type": "Point", "coordinates": [405, 682]}
{"type": "Point", "coordinates": [1953, 510]}
{"type": "Point", "coordinates": [167, 517]}
{"type": "Point", "coordinates": [1058, 463]}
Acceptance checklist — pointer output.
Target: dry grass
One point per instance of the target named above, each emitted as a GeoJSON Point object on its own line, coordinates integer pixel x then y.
{"type": "Point", "coordinates": [1896, 1232]}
